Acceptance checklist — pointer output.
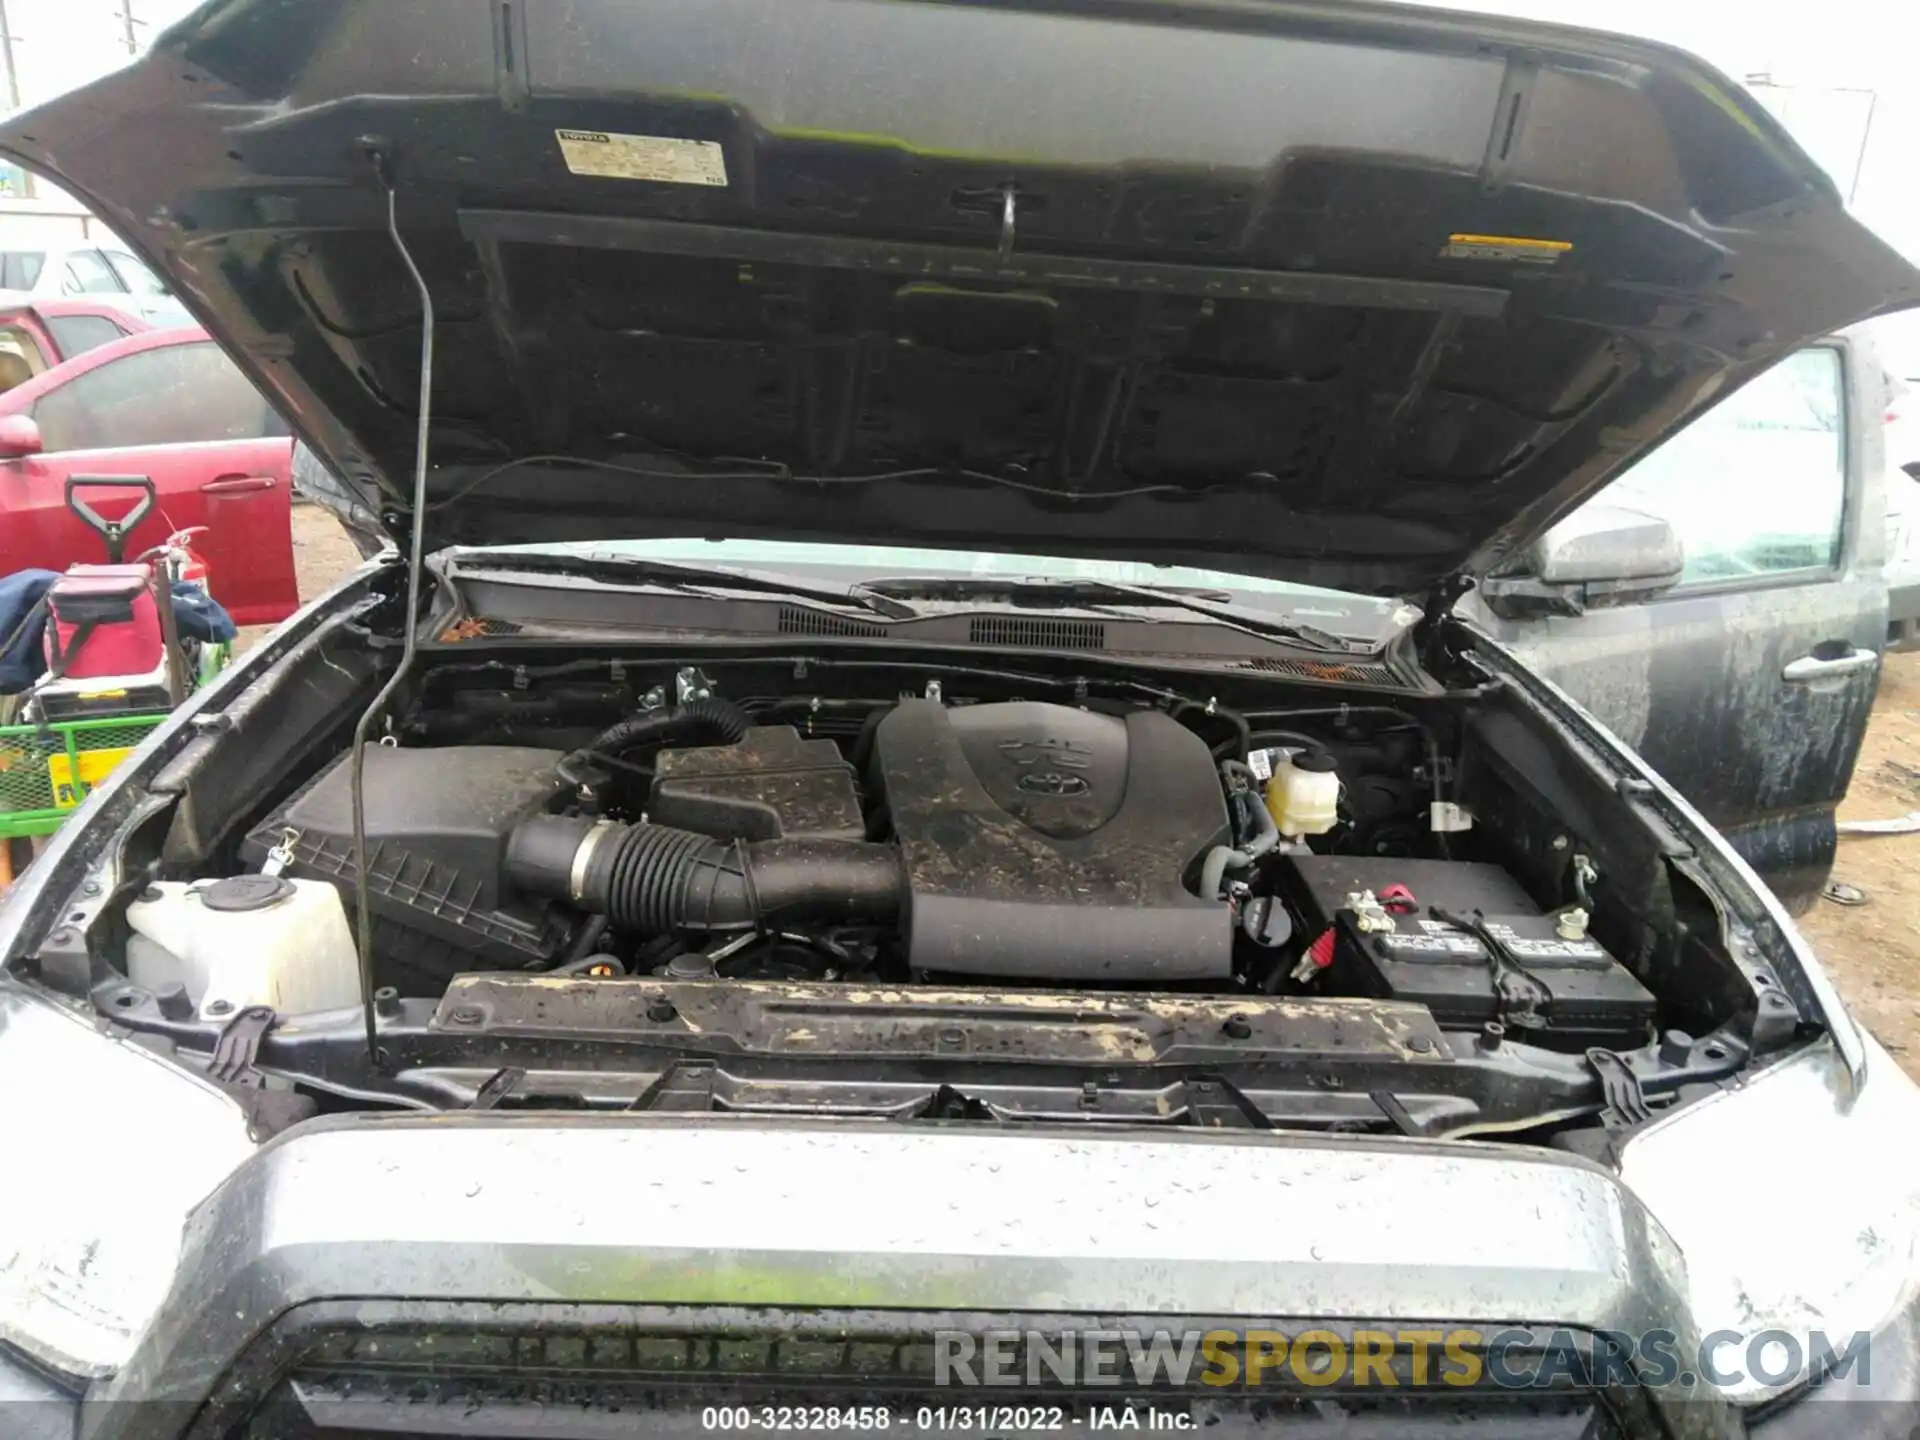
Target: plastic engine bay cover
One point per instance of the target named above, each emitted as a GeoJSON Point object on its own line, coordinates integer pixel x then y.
{"type": "Point", "coordinates": [1048, 843]}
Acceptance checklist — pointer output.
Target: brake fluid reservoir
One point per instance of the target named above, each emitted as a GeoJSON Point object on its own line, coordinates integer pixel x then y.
{"type": "Point", "coordinates": [247, 940]}
{"type": "Point", "coordinates": [1303, 793]}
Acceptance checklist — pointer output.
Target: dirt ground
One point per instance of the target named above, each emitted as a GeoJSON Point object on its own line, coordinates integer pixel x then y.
{"type": "Point", "coordinates": [1872, 951]}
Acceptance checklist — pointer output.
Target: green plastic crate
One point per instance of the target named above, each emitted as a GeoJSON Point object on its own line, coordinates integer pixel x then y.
{"type": "Point", "coordinates": [47, 770]}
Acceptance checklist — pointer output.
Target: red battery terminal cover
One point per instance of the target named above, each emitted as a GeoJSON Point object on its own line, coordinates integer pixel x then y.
{"type": "Point", "coordinates": [1397, 899]}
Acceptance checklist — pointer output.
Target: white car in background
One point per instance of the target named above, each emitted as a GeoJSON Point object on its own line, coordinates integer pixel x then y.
{"type": "Point", "coordinates": [1898, 340]}
{"type": "Point", "coordinates": [1903, 504]}
{"type": "Point", "coordinates": [103, 270]}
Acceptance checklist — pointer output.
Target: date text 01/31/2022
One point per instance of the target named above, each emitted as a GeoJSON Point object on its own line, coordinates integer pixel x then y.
{"type": "Point", "coordinates": [940, 1419]}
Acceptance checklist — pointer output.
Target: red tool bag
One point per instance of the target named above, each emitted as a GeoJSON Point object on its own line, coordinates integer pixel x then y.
{"type": "Point", "coordinates": [104, 620]}
{"type": "Point", "coordinates": [109, 626]}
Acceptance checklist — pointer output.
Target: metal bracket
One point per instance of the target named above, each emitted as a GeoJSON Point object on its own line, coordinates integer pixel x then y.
{"type": "Point", "coordinates": [239, 1046]}
{"type": "Point", "coordinates": [233, 1069]}
{"type": "Point", "coordinates": [691, 684]}
{"type": "Point", "coordinates": [497, 1087]}
{"type": "Point", "coordinates": [685, 1085]}
{"type": "Point", "coordinates": [947, 1103]}
{"type": "Point", "coordinates": [1391, 1107]}
{"type": "Point", "coordinates": [1585, 877]}
{"type": "Point", "coordinates": [283, 854]}
{"type": "Point", "coordinates": [1215, 1103]}
{"type": "Point", "coordinates": [1626, 1100]}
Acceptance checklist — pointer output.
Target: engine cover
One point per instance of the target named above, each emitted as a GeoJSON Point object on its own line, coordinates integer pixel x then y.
{"type": "Point", "coordinates": [1048, 843]}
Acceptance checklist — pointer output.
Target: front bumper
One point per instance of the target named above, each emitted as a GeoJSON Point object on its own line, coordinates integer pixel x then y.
{"type": "Point", "coordinates": [711, 1214]}
{"type": "Point", "coordinates": [471, 1245]}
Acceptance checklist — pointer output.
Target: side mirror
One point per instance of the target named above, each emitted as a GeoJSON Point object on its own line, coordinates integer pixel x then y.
{"type": "Point", "coordinates": [1600, 555]}
{"type": "Point", "coordinates": [19, 437]}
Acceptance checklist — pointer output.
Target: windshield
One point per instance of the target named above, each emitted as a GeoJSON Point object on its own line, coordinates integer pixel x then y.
{"type": "Point", "coordinates": [1346, 614]}
{"type": "Point", "coordinates": [1779, 444]}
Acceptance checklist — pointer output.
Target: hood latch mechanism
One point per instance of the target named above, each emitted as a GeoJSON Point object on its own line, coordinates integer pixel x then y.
{"type": "Point", "coordinates": [1439, 604]}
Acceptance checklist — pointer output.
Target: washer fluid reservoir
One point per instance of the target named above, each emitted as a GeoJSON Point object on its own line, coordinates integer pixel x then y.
{"type": "Point", "coordinates": [246, 940]}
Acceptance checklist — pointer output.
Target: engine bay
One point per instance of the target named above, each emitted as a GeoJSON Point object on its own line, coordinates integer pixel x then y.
{"type": "Point", "coordinates": [1019, 842]}
{"type": "Point", "coordinates": [894, 888]}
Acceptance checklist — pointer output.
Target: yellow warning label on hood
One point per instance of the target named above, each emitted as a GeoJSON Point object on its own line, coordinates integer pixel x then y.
{"type": "Point", "coordinates": [1505, 247]}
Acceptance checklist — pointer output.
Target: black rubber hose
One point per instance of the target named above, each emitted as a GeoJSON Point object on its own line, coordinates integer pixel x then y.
{"type": "Point", "coordinates": [1243, 732]}
{"type": "Point", "coordinates": [586, 944]}
{"type": "Point", "coordinates": [708, 721]}
{"type": "Point", "coordinates": [1263, 739]}
{"type": "Point", "coordinates": [656, 880]}
{"type": "Point", "coordinates": [863, 743]}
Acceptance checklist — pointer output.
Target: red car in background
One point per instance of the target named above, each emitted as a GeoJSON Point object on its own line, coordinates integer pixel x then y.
{"type": "Point", "coordinates": [37, 335]}
{"type": "Point", "coordinates": [169, 405]}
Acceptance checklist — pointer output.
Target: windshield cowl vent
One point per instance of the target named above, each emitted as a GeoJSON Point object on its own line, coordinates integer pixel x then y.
{"type": "Point", "coordinates": [1044, 634]}
{"type": "Point", "coordinates": [1345, 672]}
{"type": "Point", "coordinates": [796, 621]}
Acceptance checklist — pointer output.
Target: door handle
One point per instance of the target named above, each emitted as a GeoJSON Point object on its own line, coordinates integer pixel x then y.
{"type": "Point", "coordinates": [237, 484]}
{"type": "Point", "coordinates": [1827, 667]}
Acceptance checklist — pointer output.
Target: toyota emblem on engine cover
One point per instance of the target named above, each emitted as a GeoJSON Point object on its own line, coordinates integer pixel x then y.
{"type": "Point", "coordinates": [1052, 782]}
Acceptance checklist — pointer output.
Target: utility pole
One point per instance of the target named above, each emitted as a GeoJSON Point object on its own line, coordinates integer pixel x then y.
{"type": "Point", "coordinates": [13, 87]}
{"type": "Point", "coordinates": [6, 58]}
{"type": "Point", "coordinates": [127, 22]}
{"type": "Point", "coordinates": [1866, 135]}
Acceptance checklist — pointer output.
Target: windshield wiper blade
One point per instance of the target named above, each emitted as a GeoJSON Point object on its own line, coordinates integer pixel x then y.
{"type": "Point", "coordinates": [1236, 617]}
{"type": "Point", "coordinates": [692, 578]}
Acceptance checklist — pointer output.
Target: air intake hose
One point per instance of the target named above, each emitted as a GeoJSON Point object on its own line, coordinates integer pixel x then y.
{"type": "Point", "coordinates": [707, 721]}
{"type": "Point", "coordinates": [657, 879]}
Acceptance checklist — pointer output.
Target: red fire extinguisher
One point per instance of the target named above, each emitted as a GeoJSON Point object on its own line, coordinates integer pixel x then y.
{"type": "Point", "coordinates": [183, 561]}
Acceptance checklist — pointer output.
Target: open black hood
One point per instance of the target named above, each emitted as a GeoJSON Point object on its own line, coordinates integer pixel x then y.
{"type": "Point", "coordinates": [1356, 295]}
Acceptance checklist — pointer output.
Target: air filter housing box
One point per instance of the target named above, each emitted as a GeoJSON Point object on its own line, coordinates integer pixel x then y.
{"type": "Point", "coordinates": [437, 827]}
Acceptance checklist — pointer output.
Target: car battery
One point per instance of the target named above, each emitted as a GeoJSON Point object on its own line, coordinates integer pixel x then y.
{"type": "Point", "coordinates": [1399, 950]}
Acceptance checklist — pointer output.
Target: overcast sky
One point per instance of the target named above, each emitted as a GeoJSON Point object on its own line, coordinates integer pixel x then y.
{"type": "Point", "coordinates": [62, 43]}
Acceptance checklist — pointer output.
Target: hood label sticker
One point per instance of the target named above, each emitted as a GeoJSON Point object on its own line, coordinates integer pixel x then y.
{"type": "Point", "coordinates": [1505, 247]}
{"type": "Point", "coordinates": [660, 158]}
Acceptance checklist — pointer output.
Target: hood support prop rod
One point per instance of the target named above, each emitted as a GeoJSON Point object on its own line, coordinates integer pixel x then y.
{"type": "Point", "coordinates": [363, 913]}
